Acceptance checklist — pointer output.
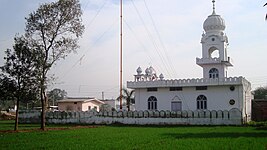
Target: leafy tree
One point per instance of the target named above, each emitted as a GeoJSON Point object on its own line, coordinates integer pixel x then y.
{"type": "Point", "coordinates": [53, 30]}
{"type": "Point", "coordinates": [128, 96]}
{"type": "Point", "coordinates": [7, 88]}
{"type": "Point", "coordinates": [20, 72]}
{"type": "Point", "coordinates": [55, 95]}
{"type": "Point", "coordinates": [260, 93]}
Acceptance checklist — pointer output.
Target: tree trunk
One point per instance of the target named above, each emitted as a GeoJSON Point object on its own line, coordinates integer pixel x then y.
{"type": "Point", "coordinates": [43, 100]}
{"type": "Point", "coordinates": [128, 105]}
{"type": "Point", "coordinates": [17, 116]}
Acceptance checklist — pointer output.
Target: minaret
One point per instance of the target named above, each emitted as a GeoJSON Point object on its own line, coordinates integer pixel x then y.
{"type": "Point", "coordinates": [214, 41]}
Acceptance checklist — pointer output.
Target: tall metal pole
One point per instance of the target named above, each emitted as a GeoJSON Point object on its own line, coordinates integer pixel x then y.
{"type": "Point", "coordinates": [121, 55]}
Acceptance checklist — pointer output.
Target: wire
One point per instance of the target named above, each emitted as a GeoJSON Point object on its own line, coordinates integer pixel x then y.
{"type": "Point", "coordinates": [159, 37]}
{"type": "Point", "coordinates": [151, 38]}
{"type": "Point", "coordinates": [139, 41]}
{"type": "Point", "coordinates": [95, 42]}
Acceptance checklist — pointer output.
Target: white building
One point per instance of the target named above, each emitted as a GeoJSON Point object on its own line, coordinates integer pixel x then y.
{"type": "Point", "coordinates": [79, 104]}
{"type": "Point", "coordinates": [215, 91]}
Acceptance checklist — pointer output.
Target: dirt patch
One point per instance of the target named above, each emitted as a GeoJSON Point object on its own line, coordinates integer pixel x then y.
{"type": "Point", "coordinates": [7, 116]}
{"type": "Point", "coordinates": [47, 129]}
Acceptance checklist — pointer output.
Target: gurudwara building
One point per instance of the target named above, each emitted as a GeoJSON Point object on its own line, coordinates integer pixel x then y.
{"type": "Point", "coordinates": [215, 91]}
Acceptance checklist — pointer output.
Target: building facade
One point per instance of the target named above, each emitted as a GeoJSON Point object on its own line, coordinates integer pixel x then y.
{"type": "Point", "coordinates": [215, 91]}
{"type": "Point", "coordinates": [79, 104]}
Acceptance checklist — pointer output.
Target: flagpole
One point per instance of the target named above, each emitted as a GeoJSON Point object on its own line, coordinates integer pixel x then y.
{"type": "Point", "coordinates": [120, 54]}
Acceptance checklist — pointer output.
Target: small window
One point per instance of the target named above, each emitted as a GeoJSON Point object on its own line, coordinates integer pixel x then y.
{"type": "Point", "coordinates": [152, 89]}
{"type": "Point", "coordinates": [232, 88]}
{"type": "Point", "coordinates": [201, 87]}
{"type": "Point", "coordinates": [176, 88]}
{"type": "Point", "coordinates": [214, 73]}
{"type": "Point", "coordinates": [75, 102]}
{"type": "Point", "coordinates": [232, 102]}
{"type": "Point", "coordinates": [89, 107]}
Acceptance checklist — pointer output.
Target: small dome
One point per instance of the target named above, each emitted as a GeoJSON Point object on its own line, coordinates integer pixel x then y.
{"type": "Point", "coordinates": [161, 76]}
{"type": "Point", "coordinates": [148, 71]}
{"type": "Point", "coordinates": [152, 70]}
{"type": "Point", "coordinates": [139, 70]}
{"type": "Point", "coordinates": [214, 22]}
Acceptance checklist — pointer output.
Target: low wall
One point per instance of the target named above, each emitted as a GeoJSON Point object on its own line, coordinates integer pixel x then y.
{"type": "Point", "coordinates": [231, 117]}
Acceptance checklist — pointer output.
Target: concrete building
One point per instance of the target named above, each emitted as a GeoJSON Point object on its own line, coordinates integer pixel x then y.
{"type": "Point", "coordinates": [215, 91]}
{"type": "Point", "coordinates": [79, 104]}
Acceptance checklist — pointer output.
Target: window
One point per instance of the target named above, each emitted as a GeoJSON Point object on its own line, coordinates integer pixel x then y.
{"type": "Point", "coordinates": [214, 73]}
{"type": "Point", "coordinates": [75, 102]}
{"type": "Point", "coordinates": [152, 103]}
{"type": "Point", "coordinates": [232, 88]}
{"type": "Point", "coordinates": [201, 102]}
{"type": "Point", "coordinates": [89, 107]}
{"type": "Point", "coordinates": [152, 89]}
{"type": "Point", "coordinates": [176, 106]}
{"type": "Point", "coordinates": [176, 88]}
{"type": "Point", "coordinates": [201, 87]}
{"type": "Point", "coordinates": [232, 102]}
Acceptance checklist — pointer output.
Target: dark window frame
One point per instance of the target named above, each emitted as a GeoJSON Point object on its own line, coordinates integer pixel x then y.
{"type": "Point", "coordinates": [152, 89]}
{"type": "Point", "coordinates": [198, 88]}
{"type": "Point", "coordinates": [176, 88]}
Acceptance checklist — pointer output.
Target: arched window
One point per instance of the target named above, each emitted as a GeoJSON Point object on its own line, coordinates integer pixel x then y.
{"type": "Point", "coordinates": [201, 102]}
{"type": "Point", "coordinates": [214, 52]}
{"type": "Point", "coordinates": [152, 103]}
{"type": "Point", "coordinates": [214, 73]}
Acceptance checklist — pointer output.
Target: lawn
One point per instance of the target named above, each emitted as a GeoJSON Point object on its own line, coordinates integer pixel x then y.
{"type": "Point", "coordinates": [134, 137]}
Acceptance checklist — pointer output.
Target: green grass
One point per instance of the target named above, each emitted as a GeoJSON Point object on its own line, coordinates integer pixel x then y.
{"type": "Point", "coordinates": [135, 137]}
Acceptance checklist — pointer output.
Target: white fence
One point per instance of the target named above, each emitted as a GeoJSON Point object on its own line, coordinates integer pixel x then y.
{"type": "Point", "coordinates": [231, 117]}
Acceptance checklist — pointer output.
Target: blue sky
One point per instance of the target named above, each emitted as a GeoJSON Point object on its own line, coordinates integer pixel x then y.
{"type": "Point", "coordinates": [166, 36]}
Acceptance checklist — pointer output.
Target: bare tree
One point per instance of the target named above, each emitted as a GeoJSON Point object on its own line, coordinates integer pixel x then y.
{"type": "Point", "coordinates": [53, 30]}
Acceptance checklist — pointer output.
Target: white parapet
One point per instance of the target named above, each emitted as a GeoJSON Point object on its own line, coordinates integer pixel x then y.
{"type": "Point", "coordinates": [187, 82]}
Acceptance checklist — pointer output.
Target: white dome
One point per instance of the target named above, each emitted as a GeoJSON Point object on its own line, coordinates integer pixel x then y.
{"type": "Point", "coordinates": [161, 76]}
{"type": "Point", "coordinates": [152, 70]}
{"type": "Point", "coordinates": [148, 71]}
{"type": "Point", "coordinates": [214, 22]}
{"type": "Point", "coordinates": [139, 70]}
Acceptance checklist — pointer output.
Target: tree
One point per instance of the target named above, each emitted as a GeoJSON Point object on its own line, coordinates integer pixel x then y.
{"type": "Point", "coordinates": [55, 95]}
{"type": "Point", "coordinates": [260, 93]}
{"type": "Point", "coordinates": [53, 30]}
{"type": "Point", "coordinates": [7, 89]}
{"type": "Point", "coordinates": [128, 96]}
{"type": "Point", "coordinates": [20, 72]}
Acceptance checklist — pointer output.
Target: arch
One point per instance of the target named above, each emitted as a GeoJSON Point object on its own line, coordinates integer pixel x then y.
{"type": "Point", "coordinates": [214, 52]}
{"type": "Point", "coordinates": [213, 73]}
{"type": "Point", "coordinates": [201, 102]}
{"type": "Point", "coordinates": [152, 103]}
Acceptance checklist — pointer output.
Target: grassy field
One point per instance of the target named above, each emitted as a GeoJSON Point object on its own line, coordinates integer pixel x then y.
{"type": "Point", "coordinates": [133, 137]}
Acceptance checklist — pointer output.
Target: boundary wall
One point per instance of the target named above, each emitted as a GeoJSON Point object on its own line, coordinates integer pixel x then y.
{"type": "Point", "coordinates": [186, 117]}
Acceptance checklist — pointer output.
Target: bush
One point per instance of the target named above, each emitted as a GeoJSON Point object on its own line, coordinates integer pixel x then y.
{"type": "Point", "coordinates": [257, 124]}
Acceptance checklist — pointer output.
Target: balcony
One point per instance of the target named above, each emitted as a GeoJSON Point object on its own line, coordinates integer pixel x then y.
{"type": "Point", "coordinates": [206, 61]}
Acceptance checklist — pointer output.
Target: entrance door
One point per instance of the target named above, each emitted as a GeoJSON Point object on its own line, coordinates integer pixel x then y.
{"type": "Point", "coordinates": [176, 106]}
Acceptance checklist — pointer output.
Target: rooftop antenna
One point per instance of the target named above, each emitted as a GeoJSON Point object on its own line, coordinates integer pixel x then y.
{"type": "Point", "coordinates": [120, 54]}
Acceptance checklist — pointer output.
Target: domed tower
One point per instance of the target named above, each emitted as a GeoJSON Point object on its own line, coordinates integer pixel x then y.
{"type": "Point", "coordinates": [214, 61]}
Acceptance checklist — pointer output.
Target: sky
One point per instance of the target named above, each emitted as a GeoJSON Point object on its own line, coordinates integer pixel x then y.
{"type": "Point", "coordinates": [159, 33]}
